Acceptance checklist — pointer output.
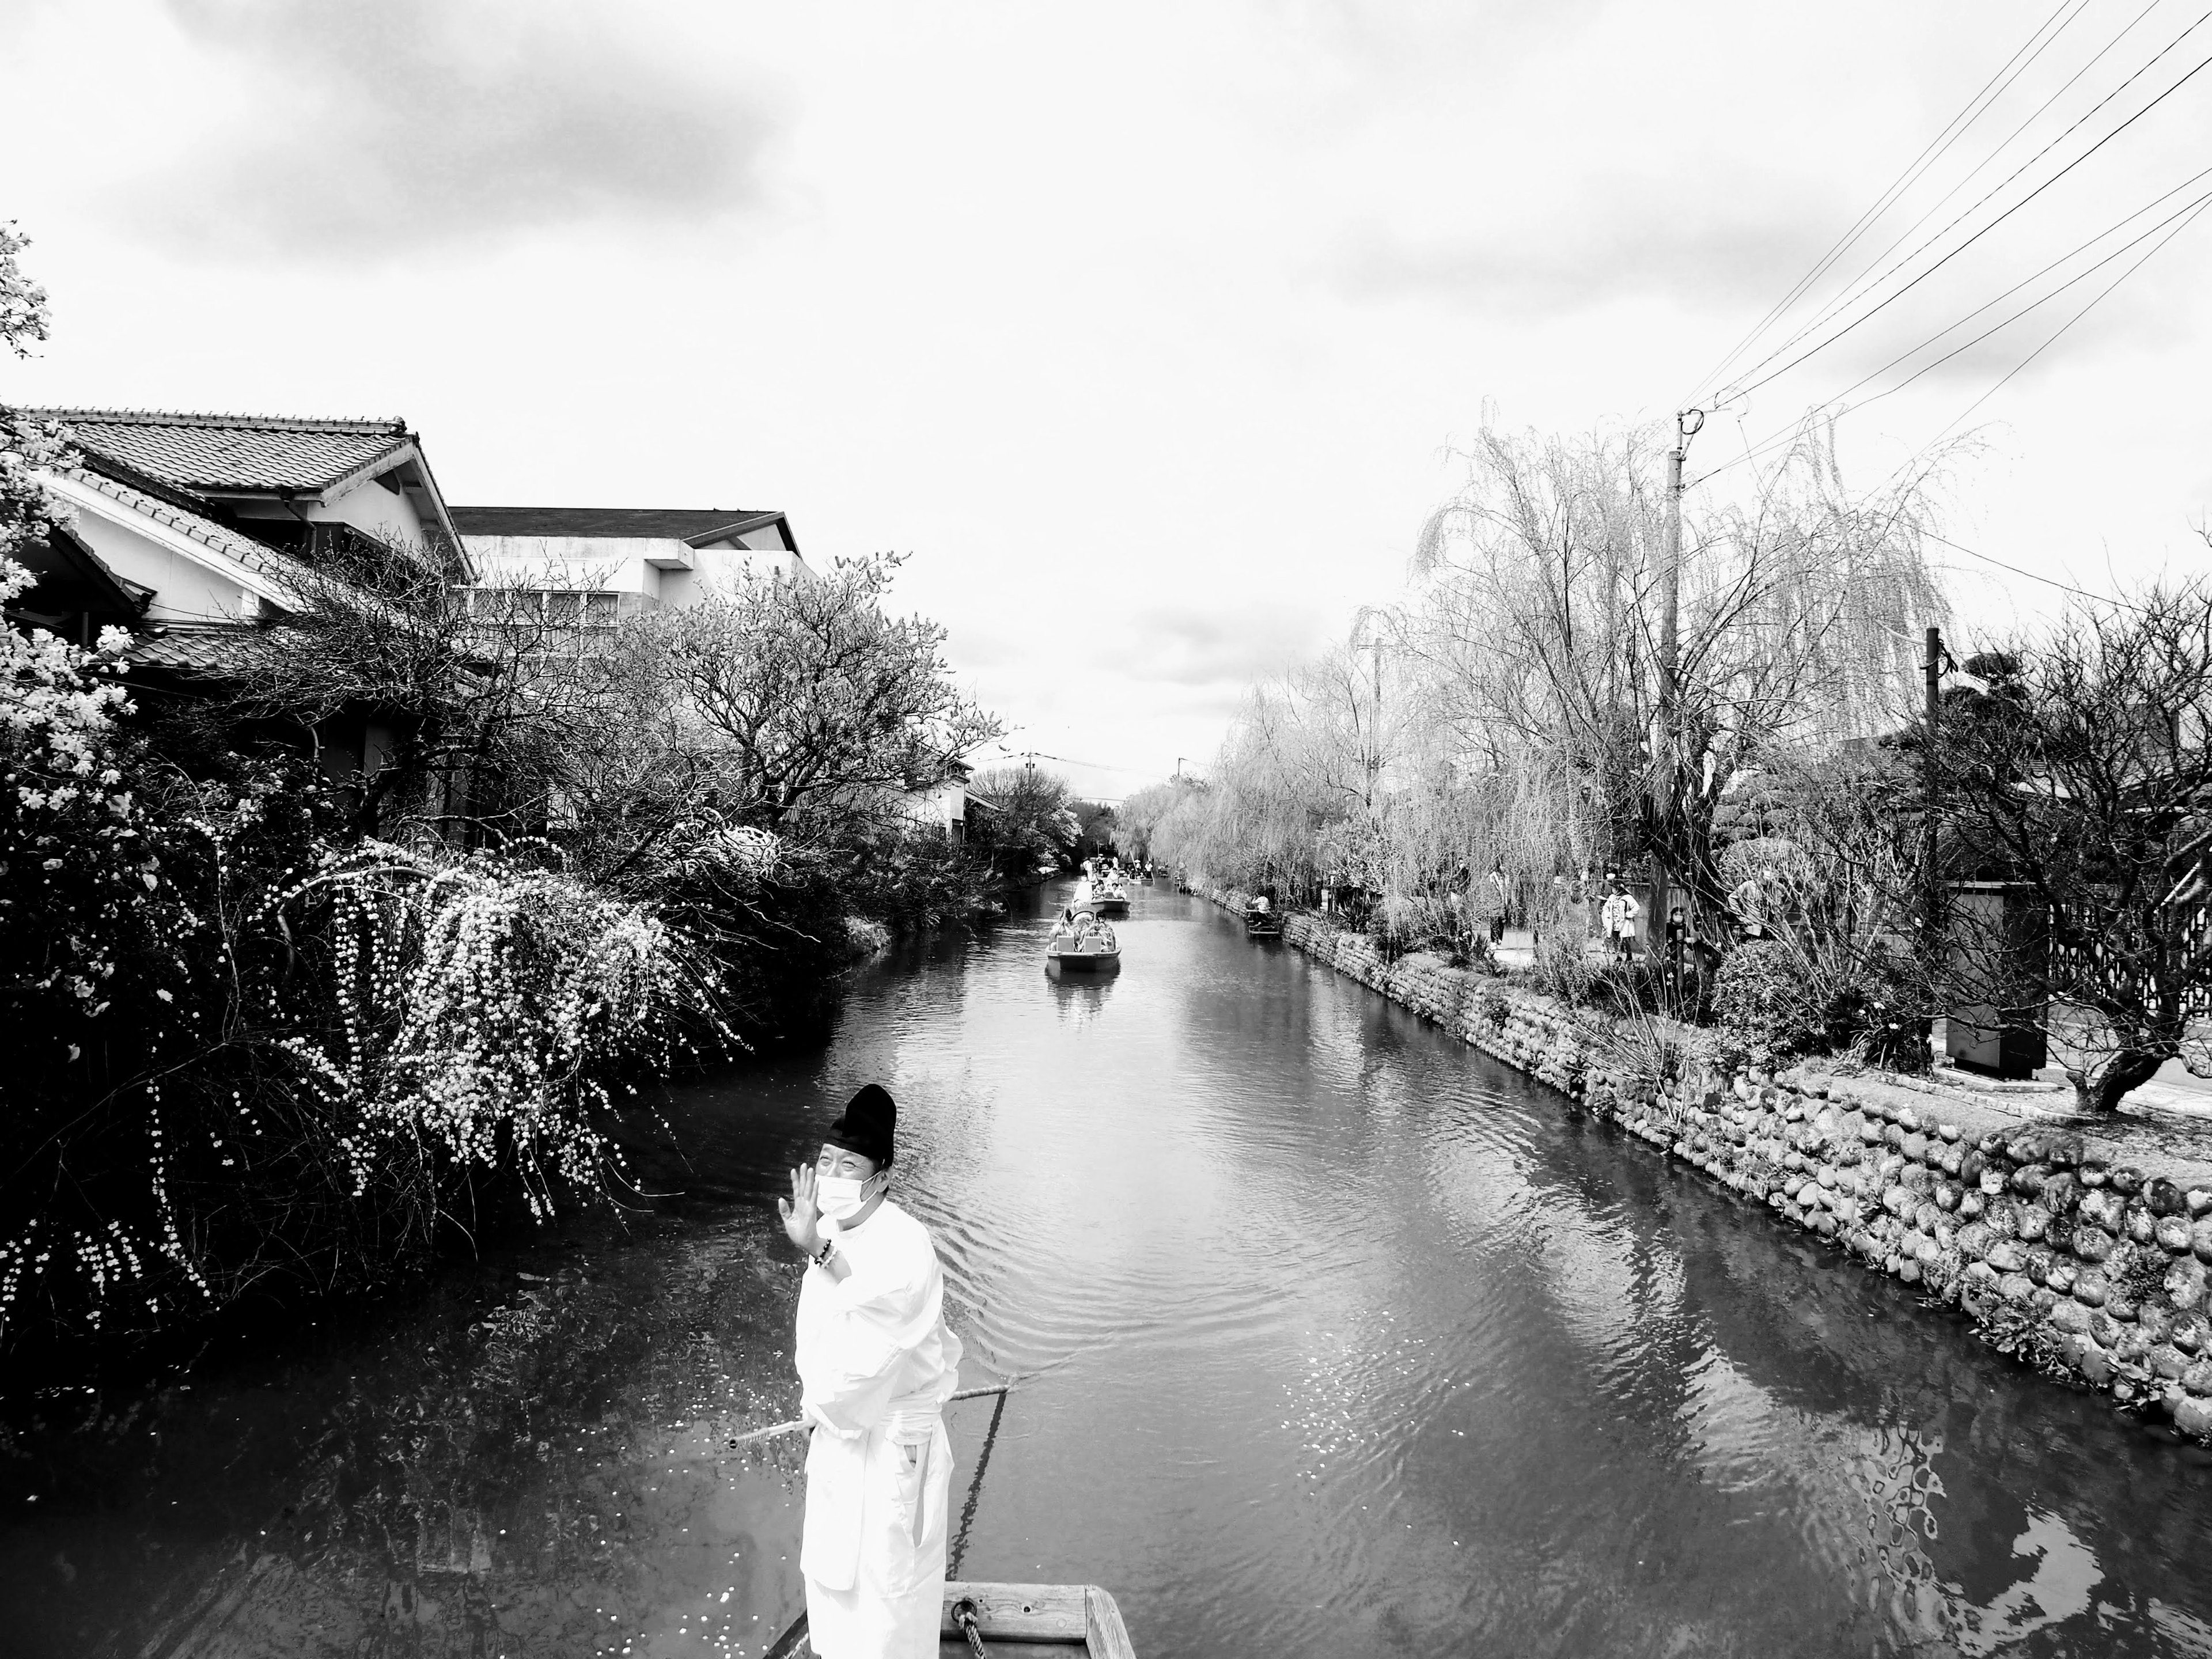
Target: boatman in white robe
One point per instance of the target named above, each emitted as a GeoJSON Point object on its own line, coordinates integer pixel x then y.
{"type": "Point", "coordinates": [876, 1365]}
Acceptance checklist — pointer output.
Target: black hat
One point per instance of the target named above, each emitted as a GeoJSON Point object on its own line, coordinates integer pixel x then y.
{"type": "Point", "coordinates": [866, 1125]}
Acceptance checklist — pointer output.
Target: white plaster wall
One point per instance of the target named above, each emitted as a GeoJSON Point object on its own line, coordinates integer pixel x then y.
{"type": "Point", "coordinates": [603, 564]}
{"type": "Point", "coordinates": [383, 512]}
{"type": "Point", "coordinates": [619, 564]}
{"type": "Point", "coordinates": [386, 515]}
{"type": "Point", "coordinates": [184, 589]}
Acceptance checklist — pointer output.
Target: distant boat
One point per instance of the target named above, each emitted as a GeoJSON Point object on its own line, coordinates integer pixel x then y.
{"type": "Point", "coordinates": [1263, 924]}
{"type": "Point", "coordinates": [1111, 898]}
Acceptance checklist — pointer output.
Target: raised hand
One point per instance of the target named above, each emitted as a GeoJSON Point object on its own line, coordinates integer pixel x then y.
{"type": "Point", "coordinates": [798, 1211]}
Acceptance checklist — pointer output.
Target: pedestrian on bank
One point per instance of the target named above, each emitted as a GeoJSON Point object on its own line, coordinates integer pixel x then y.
{"type": "Point", "coordinates": [1494, 901]}
{"type": "Point", "coordinates": [1620, 915]}
{"type": "Point", "coordinates": [1570, 916]}
{"type": "Point", "coordinates": [876, 1364]}
{"type": "Point", "coordinates": [1678, 940]}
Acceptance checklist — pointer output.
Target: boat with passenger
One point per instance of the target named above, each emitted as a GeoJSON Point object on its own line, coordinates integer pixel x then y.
{"type": "Point", "coordinates": [1262, 919]}
{"type": "Point", "coordinates": [1081, 943]}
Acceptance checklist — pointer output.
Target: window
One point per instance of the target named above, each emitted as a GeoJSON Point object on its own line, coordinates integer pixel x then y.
{"type": "Point", "coordinates": [525, 607]}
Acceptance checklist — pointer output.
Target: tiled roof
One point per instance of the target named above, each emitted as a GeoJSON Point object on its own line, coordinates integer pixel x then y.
{"type": "Point", "coordinates": [224, 454]}
{"type": "Point", "coordinates": [648, 523]}
{"type": "Point", "coordinates": [254, 556]}
{"type": "Point", "coordinates": [219, 648]}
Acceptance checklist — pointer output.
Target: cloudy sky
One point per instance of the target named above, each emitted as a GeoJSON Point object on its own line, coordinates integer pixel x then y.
{"type": "Point", "coordinates": [1147, 330]}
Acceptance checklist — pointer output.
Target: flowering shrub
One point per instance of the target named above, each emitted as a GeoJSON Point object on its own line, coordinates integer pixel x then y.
{"type": "Point", "coordinates": [487, 1010]}
{"type": "Point", "coordinates": [83, 919]}
{"type": "Point", "coordinates": [233, 1050]}
{"type": "Point", "coordinates": [27, 508]}
{"type": "Point", "coordinates": [72, 852]}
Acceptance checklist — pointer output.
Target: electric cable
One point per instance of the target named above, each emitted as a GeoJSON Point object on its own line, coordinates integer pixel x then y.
{"type": "Point", "coordinates": [1855, 288]}
{"type": "Point", "coordinates": [2094, 301]}
{"type": "Point", "coordinates": [1069, 760]}
{"type": "Point", "coordinates": [1935, 149]}
{"type": "Point", "coordinates": [2048, 581]}
{"type": "Point", "coordinates": [1869, 315]}
{"type": "Point", "coordinates": [2184, 215]}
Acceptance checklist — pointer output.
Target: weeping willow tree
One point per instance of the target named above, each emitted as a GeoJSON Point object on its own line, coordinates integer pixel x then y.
{"type": "Point", "coordinates": [1541, 616]}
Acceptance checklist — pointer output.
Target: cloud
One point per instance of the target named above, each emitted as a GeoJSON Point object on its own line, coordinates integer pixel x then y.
{"type": "Point", "coordinates": [1618, 240]}
{"type": "Point", "coordinates": [1231, 645]}
{"type": "Point", "coordinates": [376, 130]}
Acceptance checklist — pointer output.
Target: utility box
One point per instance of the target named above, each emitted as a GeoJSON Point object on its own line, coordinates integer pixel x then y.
{"type": "Point", "coordinates": [1998, 943]}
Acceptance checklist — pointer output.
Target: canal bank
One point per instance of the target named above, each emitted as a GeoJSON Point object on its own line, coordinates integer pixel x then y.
{"type": "Point", "coordinates": [2063, 1253]}
{"type": "Point", "coordinates": [1332, 1336]}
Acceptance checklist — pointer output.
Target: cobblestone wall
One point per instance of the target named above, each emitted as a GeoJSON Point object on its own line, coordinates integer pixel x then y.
{"type": "Point", "coordinates": [2071, 1261]}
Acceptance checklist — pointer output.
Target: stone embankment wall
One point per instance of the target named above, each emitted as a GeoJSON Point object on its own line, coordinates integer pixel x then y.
{"type": "Point", "coordinates": [2061, 1256]}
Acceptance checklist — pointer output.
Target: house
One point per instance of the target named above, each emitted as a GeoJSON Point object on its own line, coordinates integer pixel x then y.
{"type": "Point", "coordinates": [954, 808]}
{"type": "Point", "coordinates": [186, 523]}
{"type": "Point", "coordinates": [594, 565]}
{"type": "Point", "coordinates": [192, 529]}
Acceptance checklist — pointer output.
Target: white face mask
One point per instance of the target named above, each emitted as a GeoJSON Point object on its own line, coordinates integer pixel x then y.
{"type": "Point", "coordinates": [840, 1197]}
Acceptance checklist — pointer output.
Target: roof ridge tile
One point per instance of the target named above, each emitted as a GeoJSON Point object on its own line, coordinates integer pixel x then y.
{"type": "Point", "coordinates": [364, 425]}
{"type": "Point", "coordinates": [267, 560]}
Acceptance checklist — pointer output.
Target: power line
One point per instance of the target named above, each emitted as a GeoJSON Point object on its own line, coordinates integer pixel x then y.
{"type": "Point", "coordinates": [1936, 150]}
{"type": "Point", "coordinates": [2065, 587]}
{"type": "Point", "coordinates": [1874, 311]}
{"type": "Point", "coordinates": [1068, 760]}
{"type": "Point", "coordinates": [2093, 301]}
{"type": "Point", "coordinates": [1865, 286]}
{"type": "Point", "coordinates": [2179, 220]}
{"type": "Point", "coordinates": [1855, 288]}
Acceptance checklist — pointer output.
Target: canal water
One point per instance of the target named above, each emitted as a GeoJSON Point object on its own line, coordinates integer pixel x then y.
{"type": "Point", "coordinates": [1328, 1337]}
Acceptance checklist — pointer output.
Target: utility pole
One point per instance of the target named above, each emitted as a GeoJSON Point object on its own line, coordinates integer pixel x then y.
{"type": "Point", "coordinates": [1932, 872]}
{"type": "Point", "coordinates": [1667, 763]}
{"type": "Point", "coordinates": [1372, 760]}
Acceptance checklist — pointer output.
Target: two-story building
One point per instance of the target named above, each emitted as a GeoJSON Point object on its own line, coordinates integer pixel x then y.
{"type": "Point", "coordinates": [592, 565]}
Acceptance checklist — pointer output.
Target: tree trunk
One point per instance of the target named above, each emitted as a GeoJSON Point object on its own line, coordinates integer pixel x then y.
{"type": "Point", "coordinates": [2099, 1095]}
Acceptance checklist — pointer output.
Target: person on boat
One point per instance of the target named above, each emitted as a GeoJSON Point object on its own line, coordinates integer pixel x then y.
{"type": "Point", "coordinates": [876, 1363]}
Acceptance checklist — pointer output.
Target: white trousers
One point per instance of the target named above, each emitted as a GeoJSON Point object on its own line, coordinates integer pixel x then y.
{"type": "Point", "coordinates": [892, 1490]}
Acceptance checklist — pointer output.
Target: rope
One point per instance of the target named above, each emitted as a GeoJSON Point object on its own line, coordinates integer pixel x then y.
{"type": "Point", "coordinates": [963, 1615]}
{"type": "Point", "coordinates": [976, 1492]}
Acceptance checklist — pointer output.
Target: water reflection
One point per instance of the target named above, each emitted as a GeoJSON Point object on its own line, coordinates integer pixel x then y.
{"type": "Point", "coordinates": [1081, 996]}
{"type": "Point", "coordinates": [1331, 1337]}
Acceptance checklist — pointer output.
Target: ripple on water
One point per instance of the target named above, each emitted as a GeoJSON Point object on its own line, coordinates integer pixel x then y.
{"type": "Point", "coordinates": [1334, 1338]}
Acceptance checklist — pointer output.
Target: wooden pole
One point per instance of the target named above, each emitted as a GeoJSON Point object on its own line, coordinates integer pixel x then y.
{"type": "Point", "coordinates": [1931, 872]}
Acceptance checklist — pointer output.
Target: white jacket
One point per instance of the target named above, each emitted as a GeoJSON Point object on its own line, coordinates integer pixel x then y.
{"type": "Point", "coordinates": [1619, 914]}
{"type": "Point", "coordinates": [876, 1364]}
